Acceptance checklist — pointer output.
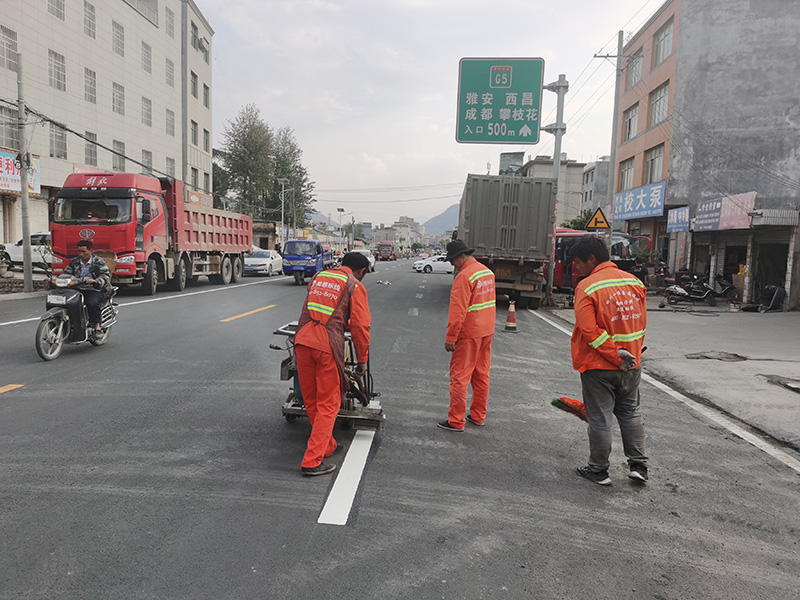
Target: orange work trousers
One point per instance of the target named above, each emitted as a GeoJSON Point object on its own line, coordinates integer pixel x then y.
{"type": "Point", "coordinates": [469, 364]}
{"type": "Point", "coordinates": [322, 396]}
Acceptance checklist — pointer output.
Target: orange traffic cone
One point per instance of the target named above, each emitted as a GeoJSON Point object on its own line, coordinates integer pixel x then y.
{"type": "Point", "coordinates": [511, 319]}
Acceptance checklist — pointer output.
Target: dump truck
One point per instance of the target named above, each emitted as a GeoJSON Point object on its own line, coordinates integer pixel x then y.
{"type": "Point", "coordinates": [508, 220]}
{"type": "Point", "coordinates": [159, 231]}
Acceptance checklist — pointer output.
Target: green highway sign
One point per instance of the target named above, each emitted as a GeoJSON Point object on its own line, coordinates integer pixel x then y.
{"type": "Point", "coordinates": [499, 100]}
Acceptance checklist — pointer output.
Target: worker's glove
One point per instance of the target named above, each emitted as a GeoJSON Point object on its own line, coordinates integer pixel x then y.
{"type": "Point", "coordinates": [628, 360]}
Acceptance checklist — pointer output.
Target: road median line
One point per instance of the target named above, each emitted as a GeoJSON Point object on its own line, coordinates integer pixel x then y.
{"type": "Point", "coordinates": [9, 387]}
{"type": "Point", "coordinates": [247, 314]}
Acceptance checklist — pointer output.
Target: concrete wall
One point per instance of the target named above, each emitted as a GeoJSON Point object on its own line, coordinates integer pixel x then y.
{"type": "Point", "coordinates": [736, 122]}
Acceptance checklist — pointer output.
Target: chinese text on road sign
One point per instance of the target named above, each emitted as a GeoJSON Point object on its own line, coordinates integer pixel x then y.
{"type": "Point", "coordinates": [499, 100]}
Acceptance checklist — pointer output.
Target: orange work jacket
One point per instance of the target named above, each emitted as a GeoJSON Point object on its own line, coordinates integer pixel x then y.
{"type": "Point", "coordinates": [324, 292]}
{"type": "Point", "coordinates": [610, 314]}
{"type": "Point", "coordinates": [472, 303]}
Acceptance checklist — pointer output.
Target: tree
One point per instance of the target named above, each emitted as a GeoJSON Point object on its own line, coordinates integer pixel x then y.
{"type": "Point", "coordinates": [247, 158]}
{"type": "Point", "coordinates": [222, 180]}
{"type": "Point", "coordinates": [580, 222]}
{"type": "Point", "coordinates": [288, 155]}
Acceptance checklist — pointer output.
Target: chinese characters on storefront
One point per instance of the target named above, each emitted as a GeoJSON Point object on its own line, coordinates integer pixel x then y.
{"type": "Point", "coordinates": [640, 203]}
{"type": "Point", "coordinates": [10, 173]}
{"type": "Point", "coordinates": [678, 220]}
{"type": "Point", "coordinates": [730, 212]}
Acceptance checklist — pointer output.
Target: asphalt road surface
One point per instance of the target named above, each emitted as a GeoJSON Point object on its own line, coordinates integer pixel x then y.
{"type": "Point", "coordinates": [159, 466]}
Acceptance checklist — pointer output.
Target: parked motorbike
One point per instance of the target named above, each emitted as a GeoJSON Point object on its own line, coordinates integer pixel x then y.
{"type": "Point", "coordinates": [67, 320]}
{"type": "Point", "coordinates": [697, 290]}
{"type": "Point", "coordinates": [726, 289]}
{"type": "Point", "coordinates": [661, 275]}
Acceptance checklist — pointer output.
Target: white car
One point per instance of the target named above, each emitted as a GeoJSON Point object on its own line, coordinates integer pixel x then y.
{"type": "Point", "coordinates": [40, 251]}
{"type": "Point", "coordinates": [370, 257]}
{"type": "Point", "coordinates": [263, 262]}
{"type": "Point", "coordinates": [434, 264]}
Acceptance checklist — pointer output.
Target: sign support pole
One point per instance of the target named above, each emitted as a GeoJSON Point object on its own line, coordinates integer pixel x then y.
{"type": "Point", "coordinates": [27, 266]}
{"type": "Point", "coordinates": [560, 87]}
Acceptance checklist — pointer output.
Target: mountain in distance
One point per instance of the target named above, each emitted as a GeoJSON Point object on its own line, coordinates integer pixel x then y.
{"type": "Point", "coordinates": [441, 223]}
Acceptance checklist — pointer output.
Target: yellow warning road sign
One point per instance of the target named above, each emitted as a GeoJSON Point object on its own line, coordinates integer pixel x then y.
{"type": "Point", "coordinates": [598, 221]}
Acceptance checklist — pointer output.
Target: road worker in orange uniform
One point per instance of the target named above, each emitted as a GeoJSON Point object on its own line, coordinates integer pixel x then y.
{"type": "Point", "coordinates": [470, 328]}
{"type": "Point", "coordinates": [336, 301]}
{"type": "Point", "coordinates": [610, 323]}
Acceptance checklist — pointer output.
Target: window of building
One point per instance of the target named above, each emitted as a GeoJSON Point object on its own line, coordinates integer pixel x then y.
{"type": "Point", "coordinates": [206, 183]}
{"type": "Point", "coordinates": [147, 112]}
{"type": "Point", "coordinates": [635, 68]}
{"type": "Point", "coordinates": [8, 48]}
{"type": "Point", "coordinates": [89, 20]}
{"type": "Point", "coordinates": [118, 98]}
{"type": "Point", "coordinates": [118, 162]}
{"type": "Point", "coordinates": [626, 175]}
{"type": "Point", "coordinates": [658, 104]}
{"type": "Point", "coordinates": [90, 86]}
{"type": "Point", "coordinates": [170, 72]}
{"type": "Point", "coordinates": [9, 130]}
{"type": "Point", "coordinates": [147, 57]}
{"type": "Point", "coordinates": [58, 142]}
{"type": "Point", "coordinates": [56, 8]}
{"type": "Point", "coordinates": [169, 22]}
{"type": "Point", "coordinates": [147, 161]}
{"type": "Point", "coordinates": [194, 132]}
{"type": "Point", "coordinates": [631, 119]}
{"type": "Point", "coordinates": [194, 178]}
{"type": "Point", "coordinates": [57, 70]}
{"type": "Point", "coordinates": [118, 38]}
{"type": "Point", "coordinates": [170, 122]}
{"type": "Point", "coordinates": [170, 167]}
{"type": "Point", "coordinates": [662, 44]}
{"type": "Point", "coordinates": [206, 140]}
{"type": "Point", "coordinates": [206, 96]}
{"type": "Point", "coordinates": [90, 148]}
{"type": "Point", "coordinates": [654, 164]}
{"type": "Point", "coordinates": [193, 83]}
{"type": "Point", "coordinates": [195, 36]}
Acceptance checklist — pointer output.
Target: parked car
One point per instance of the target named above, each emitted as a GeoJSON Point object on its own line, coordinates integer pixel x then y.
{"type": "Point", "coordinates": [40, 251]}
{"type": "Point", "coordinates": [370, 258]}
{"type": "Point", "coordinates": [435, 264]}
{"type": "Point", "coordinates": [263, 262]}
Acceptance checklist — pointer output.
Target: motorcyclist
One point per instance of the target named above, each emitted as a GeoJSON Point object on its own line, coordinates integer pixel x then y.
{"type": "Point", "coordinates": [92, 277]}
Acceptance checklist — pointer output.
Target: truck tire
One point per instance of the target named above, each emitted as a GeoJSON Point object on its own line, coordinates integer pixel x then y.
{"type": "Point", "coordinates": [178, 282]}
{"type": "Point", "coordinates": [225, 271]}
{"type": "Point", "coordinates": [237, 269]}
{"type": "Point", "coordinates": [299, 276]}
{"type": "Point", "coordinates": [523, 302]}
{"type": "Point", "coordinates": [150, 281]}
{"type": "Point", "coordinates": [535, 303]}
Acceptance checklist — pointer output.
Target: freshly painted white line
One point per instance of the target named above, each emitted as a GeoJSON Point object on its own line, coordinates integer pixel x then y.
{"type": "Point", "coordinates": [175, 297]}
{"type": "Point", "coordinates": [337, 507]}
{"type": "Point", "coordinates": [418, 296]}
{"type": "Point", "coordinates": [422, 287]}
{"type": "Point", "coordinates": [709, 413]}
{"type": "Point", "coordinates": [413, 312]}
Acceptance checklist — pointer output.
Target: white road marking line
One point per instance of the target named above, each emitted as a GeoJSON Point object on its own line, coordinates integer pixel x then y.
{"type": "Point", "coordinates": [709, 413]}
{"type": "Point", "coordinates": [422, 287]}
{"type": "Point", "coordinates": [418, 296]}
{"type": "Point", "coordinates": [175, 297]}
{"type": "Point", "coordinates": [413, 312]}
{"type": "Point", "coordinates": [337, 507]}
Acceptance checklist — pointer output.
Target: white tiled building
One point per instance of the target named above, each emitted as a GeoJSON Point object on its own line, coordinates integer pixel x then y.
{"type": "Point", "coordinates": [135, 75]}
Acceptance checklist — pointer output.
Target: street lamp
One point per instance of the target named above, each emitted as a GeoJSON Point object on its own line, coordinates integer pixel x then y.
{"type": "Point", "coordinates": [283, 181]}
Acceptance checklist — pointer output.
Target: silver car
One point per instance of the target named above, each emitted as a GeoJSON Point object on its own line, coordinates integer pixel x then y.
{"type": "Point", "coordinates": [263, 262]}
{"type": "Point", "coordinates": [370, 258]}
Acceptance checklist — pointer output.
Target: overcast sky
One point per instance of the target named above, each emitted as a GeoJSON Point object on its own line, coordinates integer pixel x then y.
{"type": "Point", "coordinates": [370, 86]}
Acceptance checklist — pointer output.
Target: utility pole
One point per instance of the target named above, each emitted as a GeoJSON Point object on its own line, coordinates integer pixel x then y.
{"type": "Point", "coordinates": [283, 181]}
{"type": "Point", "coordinates": [615, 135]}
{"type": "Point", "coordinates": [27, 267]}
{"type": "Point", "coordinates": [558, 128]}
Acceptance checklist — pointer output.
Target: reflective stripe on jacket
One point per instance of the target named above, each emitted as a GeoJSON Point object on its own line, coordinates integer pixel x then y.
{"type": "Point", "coordinates": [610, 314]}
{"type": "Point", "coordinates": [472, 303]}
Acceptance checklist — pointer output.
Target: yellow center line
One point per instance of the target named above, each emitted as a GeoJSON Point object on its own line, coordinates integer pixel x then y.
{"type": "Point", "coordinates": [8, 388]}
{"type": "Point", "coordinates": [252, 312]}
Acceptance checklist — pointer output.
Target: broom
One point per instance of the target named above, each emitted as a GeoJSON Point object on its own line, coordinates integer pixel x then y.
{"type": "Point", "coordinates": [571, 406]}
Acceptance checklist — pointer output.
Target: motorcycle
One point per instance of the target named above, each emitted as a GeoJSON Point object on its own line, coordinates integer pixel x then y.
{"type": "Point", "coordinates": [67, 320]}
{"type": "Point", "coordinates": [661, 275]}
{"type": "Point", "coordinates": [696, 291]}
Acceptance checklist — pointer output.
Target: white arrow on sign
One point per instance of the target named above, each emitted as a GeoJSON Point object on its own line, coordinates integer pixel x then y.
{"type": "Point", "coordinates": [525, 131]}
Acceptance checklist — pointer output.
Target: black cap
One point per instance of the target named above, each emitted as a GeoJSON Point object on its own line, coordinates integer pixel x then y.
{"type": "Point", "coordinates": [455, 248]}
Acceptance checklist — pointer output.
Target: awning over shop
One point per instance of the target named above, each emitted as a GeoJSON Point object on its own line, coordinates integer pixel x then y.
{"type": "Point", "coordinates": [775, 217]}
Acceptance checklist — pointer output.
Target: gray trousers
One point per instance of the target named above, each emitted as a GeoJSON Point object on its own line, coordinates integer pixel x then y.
{"type": "Point", "coordinates": [607, 394]}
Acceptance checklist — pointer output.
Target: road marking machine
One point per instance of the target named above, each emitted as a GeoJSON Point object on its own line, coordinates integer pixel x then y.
{"type": "Point", "coordinates": [360, 407]}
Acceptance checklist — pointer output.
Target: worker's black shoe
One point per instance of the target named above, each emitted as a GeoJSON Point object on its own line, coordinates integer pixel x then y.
{"type": "Point", "coordinates": [321, 469]}
{"type": "Point", "coordinates": [474, 422]}
{"type": "Point", "coordinates": [446, 426]}
{"type": "Point", "coordinates": [599, 477]}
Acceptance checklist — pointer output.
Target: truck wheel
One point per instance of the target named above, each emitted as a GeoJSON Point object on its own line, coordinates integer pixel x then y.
{"type": "Point", "coordinates": [178, 282]}
{"type": "Point", "coordinates": [523, 303]}
{"type": "Point", "coordinates": [237, 270]}
{"type": "Point", "coordinates": [48, 342]}
{"type": "Point", "coordinates": [150, 281]}
{"type": "Point", "coordinates": [298, 277]}
{"type": "Point", "coordinates": [225, 271]}
{"type": "Point", "coordinates": [535, 303]}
